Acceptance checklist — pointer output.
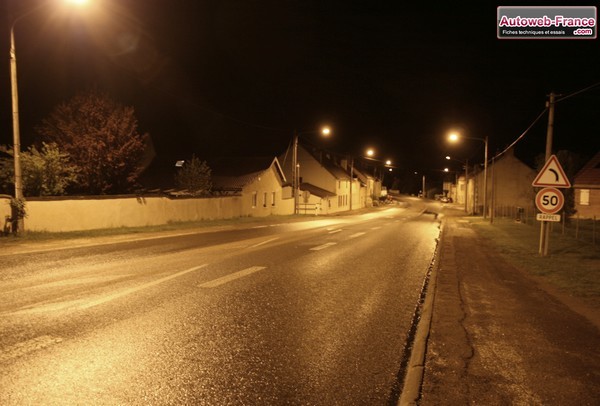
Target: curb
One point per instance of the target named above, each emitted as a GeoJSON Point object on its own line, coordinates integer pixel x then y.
{"type": "Point", "coordinates": [411, 388]}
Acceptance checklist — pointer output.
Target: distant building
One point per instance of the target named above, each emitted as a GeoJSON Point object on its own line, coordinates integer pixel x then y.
{"type": "Point", "coordinates": [587, 189]}
{"type": "Point", "coordinates": [260, 182]}
{"type": "Point", "coordinates": [509, 185]}
{"type": "Point", "coordinates": [324, 185]}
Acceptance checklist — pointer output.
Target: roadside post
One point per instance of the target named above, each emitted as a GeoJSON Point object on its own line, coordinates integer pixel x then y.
{"type": "Point", "coordinates": [549, 200]}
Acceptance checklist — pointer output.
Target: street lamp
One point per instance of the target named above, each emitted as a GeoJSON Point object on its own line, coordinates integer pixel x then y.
{"type": "Point", "coordinates": [15, 109]}
{"type": "Point", "coordinates": [454, 137]}
{"type": "Point", "coordinates": [325, 132]}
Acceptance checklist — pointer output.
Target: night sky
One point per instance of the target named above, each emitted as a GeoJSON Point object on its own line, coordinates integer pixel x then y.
{"type": "Point", "coordinates": [231, 78]}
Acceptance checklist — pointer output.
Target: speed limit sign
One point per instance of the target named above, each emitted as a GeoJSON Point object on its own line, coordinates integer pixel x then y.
{"type": "Point", "coordinates": [549, 200]}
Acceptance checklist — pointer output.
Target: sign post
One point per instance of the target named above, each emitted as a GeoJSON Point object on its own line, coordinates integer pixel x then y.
{"type": "Point", "coordinates": [550, 199]}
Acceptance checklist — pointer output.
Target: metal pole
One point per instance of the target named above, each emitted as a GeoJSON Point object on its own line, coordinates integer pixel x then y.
{"type": "Point", "coordinates": [485, 167]}
{"type": "Point", "coordinates": [295, 171]}
{"type": "Point", "coordinates": [466, 185]}
{"type": "Point", "coordinates": [424, 187]}
{"type": "Point", "coordinates": [493, 208]}
{"type": "Point", "coordinates": [351, 179]}
{"type": "Point", "coordinates": [16, 131]}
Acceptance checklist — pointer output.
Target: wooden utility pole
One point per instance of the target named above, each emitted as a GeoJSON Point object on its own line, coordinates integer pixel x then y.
{"type": "Point", "coordinates": [545, 226]}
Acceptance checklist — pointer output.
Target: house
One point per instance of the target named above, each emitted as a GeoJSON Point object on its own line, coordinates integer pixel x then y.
{"type": "Point", "coordinates": [586, 185]}
{"type": "Point", "coordinates": [324, 185]}
{"type": "Point", "coordinates": [508, 186]}
{"type": "Point", "coordinates": [260, 182]}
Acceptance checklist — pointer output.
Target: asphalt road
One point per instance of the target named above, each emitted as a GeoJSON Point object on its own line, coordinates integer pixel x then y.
{"type": "Point", "coordinates": [313, 312]}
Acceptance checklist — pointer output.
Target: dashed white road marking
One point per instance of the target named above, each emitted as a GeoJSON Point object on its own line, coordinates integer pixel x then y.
{"type": "Point", "coordinates": [375, 228]}
{"type": "Point", "coordinates": [264, 242]}
{"type": "Point", "coordinates": [81, 304]}
{"type": "Point", "coordinates": [356, 235]}
{"type": "Point", "coordinates": [231, 277]}
{"type": "Point", "coordinates": [126, 292]}
{"type": "Point", "coordinates": [320, 247]}
{"type": "Point", "coordinates": [337, 230]}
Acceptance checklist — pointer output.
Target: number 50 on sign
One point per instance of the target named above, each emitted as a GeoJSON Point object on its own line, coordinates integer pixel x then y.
{"type": "Point", "coordinates": [549, 200]}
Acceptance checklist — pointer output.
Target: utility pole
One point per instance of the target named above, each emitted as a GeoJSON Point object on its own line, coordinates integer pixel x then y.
{"type": "Point", "coordinates": [545, 226]}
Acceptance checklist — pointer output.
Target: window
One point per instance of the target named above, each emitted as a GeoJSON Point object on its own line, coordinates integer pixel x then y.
{"type": "Point", "coordinates": [273, 195]}
{"type": "Point", "coordinates": [265, 199]}
{"type": "Point", "coordinates": [584, 197]}
{"type": "Point", "coordinates": [254, 199]}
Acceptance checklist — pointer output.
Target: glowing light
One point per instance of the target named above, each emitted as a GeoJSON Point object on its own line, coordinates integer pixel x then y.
{"type": "Point", "coordinates": [453, 137]}
{"type": "Point", "coordinates": [388, 162]}
{"type": "Point", "coordinates": [326, 131]}
{"type": "Point", "coordinates": [370, 152]}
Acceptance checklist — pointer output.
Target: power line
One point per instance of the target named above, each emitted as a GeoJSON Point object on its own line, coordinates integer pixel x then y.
{"type": "Point", "coordinates": [522, 135]}
{"type": "Point", "coordinates": [577, 92]}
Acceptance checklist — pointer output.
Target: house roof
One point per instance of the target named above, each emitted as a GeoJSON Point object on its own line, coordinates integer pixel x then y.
{"type": "Point", "coordinates": [326, 161]}
{"type": "Point", "coordinates": [362, 176]}
{"type": "Point", "coordinates": [589, 175]}
{"type": "Point", "coordinates": [317, 191]}
{"type": "Point", "coordinates": [235, 173]}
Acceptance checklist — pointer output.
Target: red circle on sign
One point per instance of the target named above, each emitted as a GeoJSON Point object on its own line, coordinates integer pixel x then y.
{"type": "Point", "coordinates": [549, 200]}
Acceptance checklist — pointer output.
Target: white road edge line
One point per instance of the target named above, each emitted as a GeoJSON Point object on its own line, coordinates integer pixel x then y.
{"type": "Point", "coordinates": [231, 277]}
{"type": "Point", "coordinates": [320, 247]}
{"type": "Point", "coordinates": [264, 242]}
{"type": "Point", "coordinates": [126, 292]}
{"type": "Point", "coordinates": [356, 235]}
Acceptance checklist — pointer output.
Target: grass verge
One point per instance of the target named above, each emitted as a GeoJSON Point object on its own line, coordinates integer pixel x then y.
{"type": "Point", "coordinates": [32, 236]}
{"type": "Point", "coordinates": [572, 266]}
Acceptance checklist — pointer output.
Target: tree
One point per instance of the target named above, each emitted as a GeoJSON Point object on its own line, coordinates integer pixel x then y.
{"type": "Point", "coordinates": [102, 140]}
{"type": "Point", "coordinates": [194, 176]}
{"type": "Point", "coordinates": [46, 172]}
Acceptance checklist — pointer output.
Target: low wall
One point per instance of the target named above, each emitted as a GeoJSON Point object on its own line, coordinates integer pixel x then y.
{"type": "Point", "coordinates": [73, 214]}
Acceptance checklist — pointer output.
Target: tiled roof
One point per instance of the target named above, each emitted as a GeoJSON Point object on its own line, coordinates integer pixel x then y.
{"type": "Point", "coordinates": [317, 191]}
{"type": "Point", "coordinates": [589, 175]}
{"type": "Point", "coordinates": [231, 174]}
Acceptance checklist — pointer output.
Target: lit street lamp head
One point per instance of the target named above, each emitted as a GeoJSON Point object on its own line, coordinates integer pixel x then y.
{"type": "Point", "coordinates": [326, 131]}
{"type": "Point", "coordinates": [370, 152]}
{"type": "Point", "coordinates": [453, 137]}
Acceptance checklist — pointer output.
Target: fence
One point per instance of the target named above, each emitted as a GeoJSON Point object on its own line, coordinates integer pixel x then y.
{"type": "Point", "coordinates": [586, 230]}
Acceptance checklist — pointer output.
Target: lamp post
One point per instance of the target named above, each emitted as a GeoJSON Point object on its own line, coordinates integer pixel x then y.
{"type": "Point", "coordinates": [325, 131]}
{"type": "Point", "coordinates": [454, 138]}
{"type": "Point", "coordinates": [15, 122]}
{"type": "Point", "coordinates": [15, 109]}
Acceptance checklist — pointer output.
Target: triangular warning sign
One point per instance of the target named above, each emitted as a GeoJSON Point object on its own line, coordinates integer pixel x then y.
{"type": "Point", "coordinates": [552, 175]}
